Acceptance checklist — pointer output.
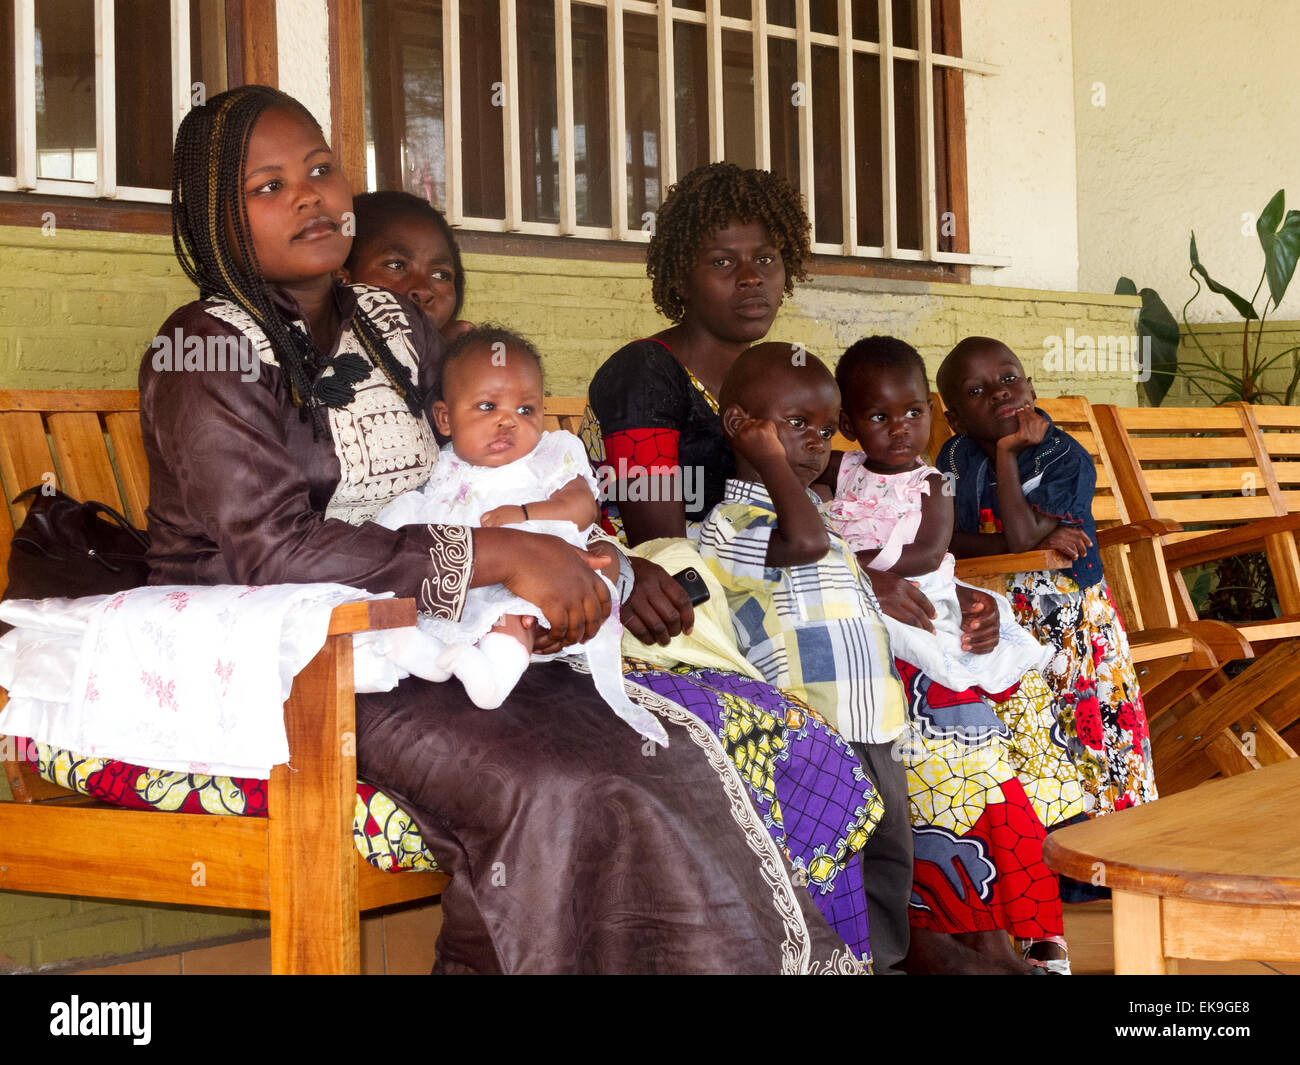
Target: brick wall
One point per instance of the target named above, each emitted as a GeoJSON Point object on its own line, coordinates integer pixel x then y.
{"type": "Point", "coordinates": [78, 309]}
{"type": "Point", "coordinates": [1222, 343]}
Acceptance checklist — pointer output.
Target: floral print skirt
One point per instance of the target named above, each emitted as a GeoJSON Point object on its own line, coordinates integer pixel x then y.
{"type": "Point", "coordinates": [985, 776]}
{"type": "Point", "coordinates": [803, 778]}
{"type": "Point", "coordinates": [1098, 702]}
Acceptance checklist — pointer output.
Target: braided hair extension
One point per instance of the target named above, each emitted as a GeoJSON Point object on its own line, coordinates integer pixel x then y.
{"type": "Point", "coordinates": [709, 198]}
{"type": "Point", "coordinates": [208, 209]}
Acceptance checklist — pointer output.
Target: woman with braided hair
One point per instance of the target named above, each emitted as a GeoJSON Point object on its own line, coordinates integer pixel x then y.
{"type": "Point", "coordinates": [570, 847]}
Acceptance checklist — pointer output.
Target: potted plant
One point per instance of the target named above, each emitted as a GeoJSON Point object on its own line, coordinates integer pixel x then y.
{"type": "Point", "coordinates": [1279, 238]}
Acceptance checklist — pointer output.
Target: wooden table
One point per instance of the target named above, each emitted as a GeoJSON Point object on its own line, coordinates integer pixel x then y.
{"type": "Point", "coordinates": [1211, 873]}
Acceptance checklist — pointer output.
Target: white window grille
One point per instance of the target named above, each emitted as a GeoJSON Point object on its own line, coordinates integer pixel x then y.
{"type": "Point", "coordinates": [66, 136]}
{"type": "Point", "coordinates": [868, 68]}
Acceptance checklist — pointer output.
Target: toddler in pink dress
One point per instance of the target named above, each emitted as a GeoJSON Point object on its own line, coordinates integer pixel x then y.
{"type": "Point", "coordinates": [879, 511]}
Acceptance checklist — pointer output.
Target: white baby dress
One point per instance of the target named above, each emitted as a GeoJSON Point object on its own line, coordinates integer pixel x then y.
{"type": "Point", "coordinates": [459, 493]}
{"type": "Point", "coordinates": [883, 511]}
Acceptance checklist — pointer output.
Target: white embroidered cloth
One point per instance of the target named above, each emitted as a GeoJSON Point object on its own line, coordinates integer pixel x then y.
{"type": "Point", "coordinates": [181, 678]}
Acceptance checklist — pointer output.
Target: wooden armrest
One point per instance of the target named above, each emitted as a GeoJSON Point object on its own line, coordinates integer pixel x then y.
{"type": "Point", "coordinates": [374, 614]}
{"type": "Point", "coordinates": [1229, 542]}
{"type": "Point", "coordinates": [1023, 562]}
{"type": "Point", "coordinates": [1227, 642]}
{"type": "Point", "coordinates": [1134, 531]}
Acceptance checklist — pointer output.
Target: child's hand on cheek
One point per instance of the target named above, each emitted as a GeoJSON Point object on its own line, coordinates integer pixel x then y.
{"type": "Point", "coordinates": [1031, 427]}
{"type": "Point", "coordinates": [756, 441]}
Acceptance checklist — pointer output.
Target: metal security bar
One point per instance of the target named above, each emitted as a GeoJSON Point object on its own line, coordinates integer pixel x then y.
{"type": "Point", "coordinates": [762, 31]}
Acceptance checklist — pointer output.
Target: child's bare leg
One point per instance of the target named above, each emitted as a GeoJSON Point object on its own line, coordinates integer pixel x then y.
{"type": "Point", "coordinates": [996, 949]}
{"type": "Point", "coordinates": [491, 669]}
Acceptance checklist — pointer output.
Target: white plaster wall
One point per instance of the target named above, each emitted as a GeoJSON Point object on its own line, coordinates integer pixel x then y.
{"type": "Point", "coordinates": [1020, 142]}
{"type": "Point", "coordinates": [302, 37]}
{"type": "Point", "coordinates": [1199, 127]}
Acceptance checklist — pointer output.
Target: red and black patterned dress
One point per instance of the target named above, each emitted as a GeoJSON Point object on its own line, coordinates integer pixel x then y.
{"type": "Point", "coordinates": [648, 414]}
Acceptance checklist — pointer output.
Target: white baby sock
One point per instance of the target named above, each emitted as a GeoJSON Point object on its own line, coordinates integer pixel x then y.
{"type": "Point", "coordinates": [490, 670]}
{"type": "Point", "coordinates": [418, 653]}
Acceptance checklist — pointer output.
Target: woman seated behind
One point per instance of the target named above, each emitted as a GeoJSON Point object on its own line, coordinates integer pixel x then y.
{"type": "Point", "coordinates": [404, 244]}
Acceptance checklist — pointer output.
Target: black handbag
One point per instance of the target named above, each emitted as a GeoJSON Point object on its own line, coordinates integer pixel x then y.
{"type": "Point", "coordinates": [69, 549]}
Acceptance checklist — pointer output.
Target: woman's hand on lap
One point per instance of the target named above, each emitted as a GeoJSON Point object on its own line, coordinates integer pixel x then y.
{"type": "Point", "coordinates": [562, 582]}
{"type": "Point", "coordinates": [658, 608]}
{"type": "Point", "coordinates": [979, 620]}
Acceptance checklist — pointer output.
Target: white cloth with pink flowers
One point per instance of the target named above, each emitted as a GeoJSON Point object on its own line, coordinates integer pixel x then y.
{"type": "Point", "coordinates": [877, 511]}
{"type": "Point", "coordinates": [181, 678]}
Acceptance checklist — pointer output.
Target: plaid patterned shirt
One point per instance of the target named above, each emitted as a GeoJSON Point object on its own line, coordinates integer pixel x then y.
{"type": "Point", "coordinates": [814, 630]}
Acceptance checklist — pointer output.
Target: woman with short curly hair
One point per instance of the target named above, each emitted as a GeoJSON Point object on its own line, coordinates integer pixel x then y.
{"type": "Point", "coordinates": [728, 246]}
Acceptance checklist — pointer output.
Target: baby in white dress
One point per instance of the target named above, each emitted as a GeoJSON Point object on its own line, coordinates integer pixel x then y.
{"type": "Point", "coordinates": [499, 469]}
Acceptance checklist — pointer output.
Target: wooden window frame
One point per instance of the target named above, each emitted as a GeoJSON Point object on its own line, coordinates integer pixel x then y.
{"type": "Point", "coordinates": [619, 242]}
{"type": "Point", "coordinates": [251, 57]}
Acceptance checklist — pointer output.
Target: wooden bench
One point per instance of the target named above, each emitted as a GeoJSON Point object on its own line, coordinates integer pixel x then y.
{"type": "Point", "coordinates": [300, 863]}
{"type": "Point", "coordinates": [1207, 469]}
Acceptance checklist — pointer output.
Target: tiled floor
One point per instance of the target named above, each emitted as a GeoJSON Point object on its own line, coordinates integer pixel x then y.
{"type": "Point", "coordinates": [401, 943]}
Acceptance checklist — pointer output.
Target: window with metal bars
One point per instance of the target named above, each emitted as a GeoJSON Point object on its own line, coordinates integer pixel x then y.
{"type": "Point", "coordinates": [92, 91]}
{"type": "Point", "coordinates": [572, 117]}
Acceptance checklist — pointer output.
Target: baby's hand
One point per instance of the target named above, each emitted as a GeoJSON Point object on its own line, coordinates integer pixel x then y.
{"type": "Point", "coordinates": [756, 440]}
{"type": "Point", "coordinates": [1031, 427]}
{"type": "Point", "coordinates": [1071, 542]}
{"type": "Point", "coordinates": [509, 515]}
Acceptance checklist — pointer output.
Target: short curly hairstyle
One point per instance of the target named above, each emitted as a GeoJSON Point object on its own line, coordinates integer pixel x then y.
{"type": "Point", "coordinates": [708, 198]}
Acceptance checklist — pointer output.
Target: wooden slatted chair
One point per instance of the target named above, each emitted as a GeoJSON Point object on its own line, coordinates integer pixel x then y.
{"type": "Point", "coordinates": [1277, 429]}
{"type": "Point", "coordinates": [300, 863]}
{"type": "Point", "coordinates": [1207, 469]}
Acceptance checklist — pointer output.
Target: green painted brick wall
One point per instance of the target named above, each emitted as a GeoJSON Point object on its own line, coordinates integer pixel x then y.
{"type": "Point", "coordinates": [78, 309]}
{"type": "Point", "coordinates": [1222, 343]}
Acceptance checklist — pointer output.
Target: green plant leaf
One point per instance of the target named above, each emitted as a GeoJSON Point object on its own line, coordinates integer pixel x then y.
{"type": "Point", "coordinates": [1242, 305]}
{"type": "Point", "coordinates": [1155, 321]}
{"type": "Point", "coordinates": [1281, 244]}
{"type": "Point", "coordinates": [1125, 287]}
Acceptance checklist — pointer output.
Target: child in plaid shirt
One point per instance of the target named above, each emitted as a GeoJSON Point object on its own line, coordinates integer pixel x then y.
{"type": "Point", "coordinates": [803, 613]}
